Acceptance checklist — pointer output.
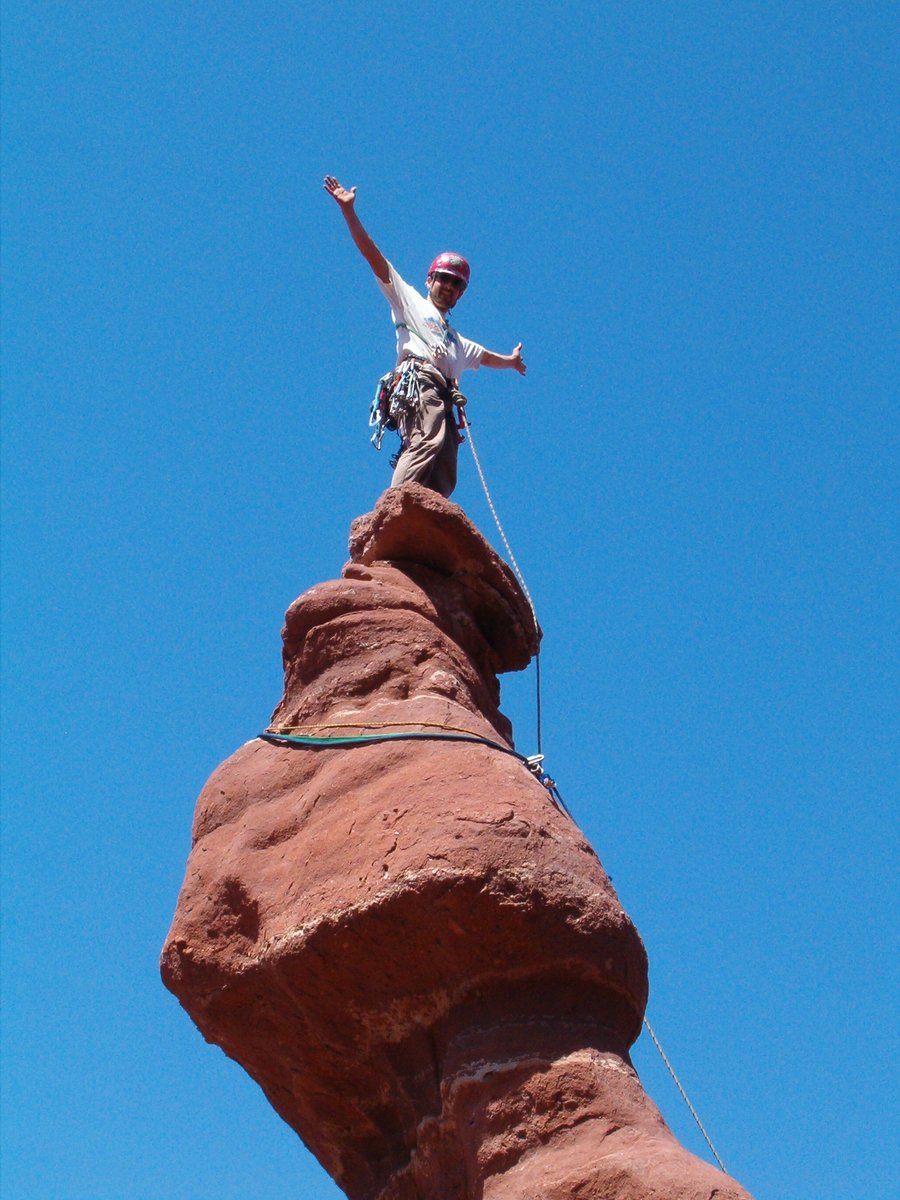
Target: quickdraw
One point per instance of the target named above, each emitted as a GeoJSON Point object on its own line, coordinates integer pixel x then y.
{"type": "Point", "coordinates": [396, 393]}
{"type": "Point", "coordinates": [460, 402]}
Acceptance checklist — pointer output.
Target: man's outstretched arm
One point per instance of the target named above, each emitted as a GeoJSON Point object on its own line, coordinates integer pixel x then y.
{"type": "Point", "coordinates": [501, 361]}
{"type": "Point", "coordinates": [367, 248]}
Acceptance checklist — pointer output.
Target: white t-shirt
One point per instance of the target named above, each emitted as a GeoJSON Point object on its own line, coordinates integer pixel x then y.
{"type": "Point", "coordinates": [423, 331]}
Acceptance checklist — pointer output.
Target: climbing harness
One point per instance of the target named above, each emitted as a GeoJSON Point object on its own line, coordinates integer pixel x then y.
{"type": "Point", "coordinates": [399, 392]}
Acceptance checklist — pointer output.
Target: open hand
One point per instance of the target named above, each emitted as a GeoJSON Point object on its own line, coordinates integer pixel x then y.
{"type": "Point", "coordinates": [344, 197]}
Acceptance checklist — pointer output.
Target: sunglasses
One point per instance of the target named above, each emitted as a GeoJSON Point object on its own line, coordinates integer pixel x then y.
{"type": "Point", "coordinates": [440, 277]}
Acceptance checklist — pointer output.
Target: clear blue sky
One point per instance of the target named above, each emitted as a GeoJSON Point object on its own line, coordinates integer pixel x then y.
{"type": "Point", "coordinates": [686, 212]}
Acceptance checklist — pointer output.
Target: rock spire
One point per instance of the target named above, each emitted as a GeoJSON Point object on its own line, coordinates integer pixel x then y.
{"type": "Point", "coordinates": [415, 954]}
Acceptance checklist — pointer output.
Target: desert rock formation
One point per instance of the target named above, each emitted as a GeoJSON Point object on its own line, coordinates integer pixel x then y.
{"type": "Point", "coordinates": [416, 955]}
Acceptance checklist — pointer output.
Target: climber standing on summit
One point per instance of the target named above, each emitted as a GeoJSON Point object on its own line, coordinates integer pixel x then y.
{"type": "Point", "coordinates": [428, 346]}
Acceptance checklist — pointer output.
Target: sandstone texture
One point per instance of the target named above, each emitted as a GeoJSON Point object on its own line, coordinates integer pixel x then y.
{"type": "Point", "coordinates": [416, 955]}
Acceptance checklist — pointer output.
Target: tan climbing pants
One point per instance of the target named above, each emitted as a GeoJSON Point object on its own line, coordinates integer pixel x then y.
{"type": "Point", "coordinates": [430, 442]}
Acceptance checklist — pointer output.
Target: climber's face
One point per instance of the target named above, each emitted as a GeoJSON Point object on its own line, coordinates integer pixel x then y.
{"type": "Point", "coordinates": [444, 290]}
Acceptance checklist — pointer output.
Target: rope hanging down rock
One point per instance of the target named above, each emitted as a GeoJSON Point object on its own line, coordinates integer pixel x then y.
{"type": "Point", "coordinates": [684, 1095]}
{"type": "Point", "coordinates": [464, 423]}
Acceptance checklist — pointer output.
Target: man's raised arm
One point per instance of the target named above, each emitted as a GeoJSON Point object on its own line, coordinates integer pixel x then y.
{"type": "Point", "coordinates": [367, 248]}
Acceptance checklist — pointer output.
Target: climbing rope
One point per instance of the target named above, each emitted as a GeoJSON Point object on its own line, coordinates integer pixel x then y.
{"type": "Point", "coordinates": [464, 422]}
{"type": "Point", "coordinates": [512, 558]}
{"type": "Point", "coordinates": [305, 729]}
{"type": "Point", "coordinates": [684, 1095]}
{"type": "Point", "coordinates": [361, 739]}
{"type": "Point", "coordinates": [534, 762]}
{"type": "Point", "coordinates": [551, 786]}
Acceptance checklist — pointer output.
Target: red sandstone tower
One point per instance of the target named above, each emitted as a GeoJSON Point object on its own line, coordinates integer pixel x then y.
{"type": "Point", "coordinates": [416, 955]}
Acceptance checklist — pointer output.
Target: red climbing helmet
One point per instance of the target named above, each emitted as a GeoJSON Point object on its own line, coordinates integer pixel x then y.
{"type": "Point", "coordinates": [449, 263]}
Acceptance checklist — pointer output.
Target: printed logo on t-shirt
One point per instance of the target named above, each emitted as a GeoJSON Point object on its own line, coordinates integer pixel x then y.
{"type": "Point", "coordinates": [442, 332]}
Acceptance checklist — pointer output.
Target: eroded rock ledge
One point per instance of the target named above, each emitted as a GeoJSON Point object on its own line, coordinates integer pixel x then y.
{"type": "Point", "coordinates": [415, 954]}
